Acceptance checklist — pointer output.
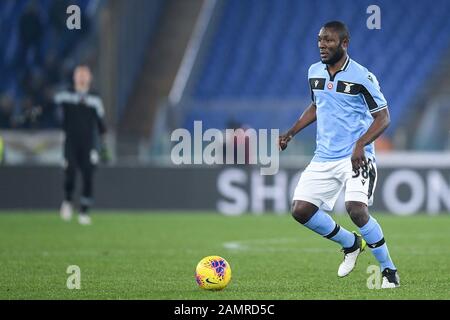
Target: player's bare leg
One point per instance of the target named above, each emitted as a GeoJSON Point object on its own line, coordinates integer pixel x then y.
{"type": "Point", "coordinates": [302, 211]}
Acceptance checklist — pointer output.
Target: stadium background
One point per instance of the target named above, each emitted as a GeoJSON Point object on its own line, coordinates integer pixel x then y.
{"type": "Point", "coordinates": [161, 64]}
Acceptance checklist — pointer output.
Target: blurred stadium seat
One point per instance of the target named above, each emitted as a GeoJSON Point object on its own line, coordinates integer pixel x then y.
{"type": "Point", "coordinates": [36, 46]}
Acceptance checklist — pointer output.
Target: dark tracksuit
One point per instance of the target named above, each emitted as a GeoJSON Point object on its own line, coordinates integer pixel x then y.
{"type": "Point", "coordinates": [82, 121]}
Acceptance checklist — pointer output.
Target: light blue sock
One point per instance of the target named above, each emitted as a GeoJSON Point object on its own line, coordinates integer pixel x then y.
{"type": "Point", "coordinates": [324, 225]}
{"type": "Point", "coordinates": [373, 235]}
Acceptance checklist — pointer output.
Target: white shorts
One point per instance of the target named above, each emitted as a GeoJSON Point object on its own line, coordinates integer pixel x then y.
{"type": "Point", "coordinates": [322, 182]}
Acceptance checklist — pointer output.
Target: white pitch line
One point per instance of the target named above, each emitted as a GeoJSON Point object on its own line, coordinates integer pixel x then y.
{"type": "Point", "coordinates": [233, 245]}
{"type": "Point", "coordinates": [261, 245]}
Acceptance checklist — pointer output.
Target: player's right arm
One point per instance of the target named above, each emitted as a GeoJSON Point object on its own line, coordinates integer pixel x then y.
{"type": "Point", "coordinates": [308, 116]}
{"type": "Point", "coordinates": [58, 99]}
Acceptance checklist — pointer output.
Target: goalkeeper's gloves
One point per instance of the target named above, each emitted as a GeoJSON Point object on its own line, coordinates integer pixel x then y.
{"type": "Point", "coordinates": [105, 155]}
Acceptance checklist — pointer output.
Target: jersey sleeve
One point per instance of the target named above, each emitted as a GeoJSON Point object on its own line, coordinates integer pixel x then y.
{"type": "Point", "coordinates": [312, 94]}
{"type": "Point", "coordinates": [60, 97]}
{"type": "Point", "coordinates": [97, 103]}
{"type": "Point", "coordinates": [58, 100]}
{"type": "Point", "coordinates": [101, 117]}
{"type": "Point", "coordinates": [310, 86]}
{"type": "Point", "coordinates": [372, 94]}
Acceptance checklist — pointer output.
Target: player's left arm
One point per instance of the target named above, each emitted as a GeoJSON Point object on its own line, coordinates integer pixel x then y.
{"type": "Point", "coordinates": [380, 123]}
{"type": "Point", "coordinates": [99, 115]}
{"type": "Point", "coordinates": [102, 129]}
{"type": "Point", "coordinates": [377, 105]}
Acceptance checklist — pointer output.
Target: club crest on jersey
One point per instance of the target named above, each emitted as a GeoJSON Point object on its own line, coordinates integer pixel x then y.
{"type": "Point", "coordinates": [348, 87]}
{"type": "Point", "coordinates": [330, 85]}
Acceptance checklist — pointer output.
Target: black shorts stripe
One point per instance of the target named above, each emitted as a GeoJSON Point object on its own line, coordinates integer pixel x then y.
{"type": "Point", "coordinates": [372, 177]}
{"type": "Point", "coordinates": [334, 232]}
{"type": "Point", "coordinates": [377, 244]}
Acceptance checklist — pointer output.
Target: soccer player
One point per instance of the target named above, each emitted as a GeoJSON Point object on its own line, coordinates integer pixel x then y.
{"type": "Point", "coordinates": [83, 121]}
{"type": "Point", "coordinates": [351, 112]}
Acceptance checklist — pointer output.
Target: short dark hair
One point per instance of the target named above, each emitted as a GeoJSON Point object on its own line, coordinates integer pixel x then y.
{"type": "Point", "coordinates": [83, 65]}
{"type": "Point", "coordinates": [339, 27]}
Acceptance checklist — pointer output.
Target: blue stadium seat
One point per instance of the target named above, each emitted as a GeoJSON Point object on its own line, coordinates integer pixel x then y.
{"type": "Point", "coordinates": [10, 13]}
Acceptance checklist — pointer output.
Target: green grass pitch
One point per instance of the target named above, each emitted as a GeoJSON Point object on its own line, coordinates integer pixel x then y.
{"type": "Point", "coordinates": [153, 256]}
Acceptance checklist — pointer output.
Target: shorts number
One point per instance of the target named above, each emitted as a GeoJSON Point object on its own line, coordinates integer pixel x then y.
{"type": "Point", "coordinates": [364, 171]}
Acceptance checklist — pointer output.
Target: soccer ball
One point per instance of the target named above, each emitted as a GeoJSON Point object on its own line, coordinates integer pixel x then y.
{"type": "Point", "coordinates": [213, 273]}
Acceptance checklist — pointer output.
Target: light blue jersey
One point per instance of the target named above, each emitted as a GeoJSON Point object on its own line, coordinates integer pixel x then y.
{"type": "Point", "coordinates": [344, 103]}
